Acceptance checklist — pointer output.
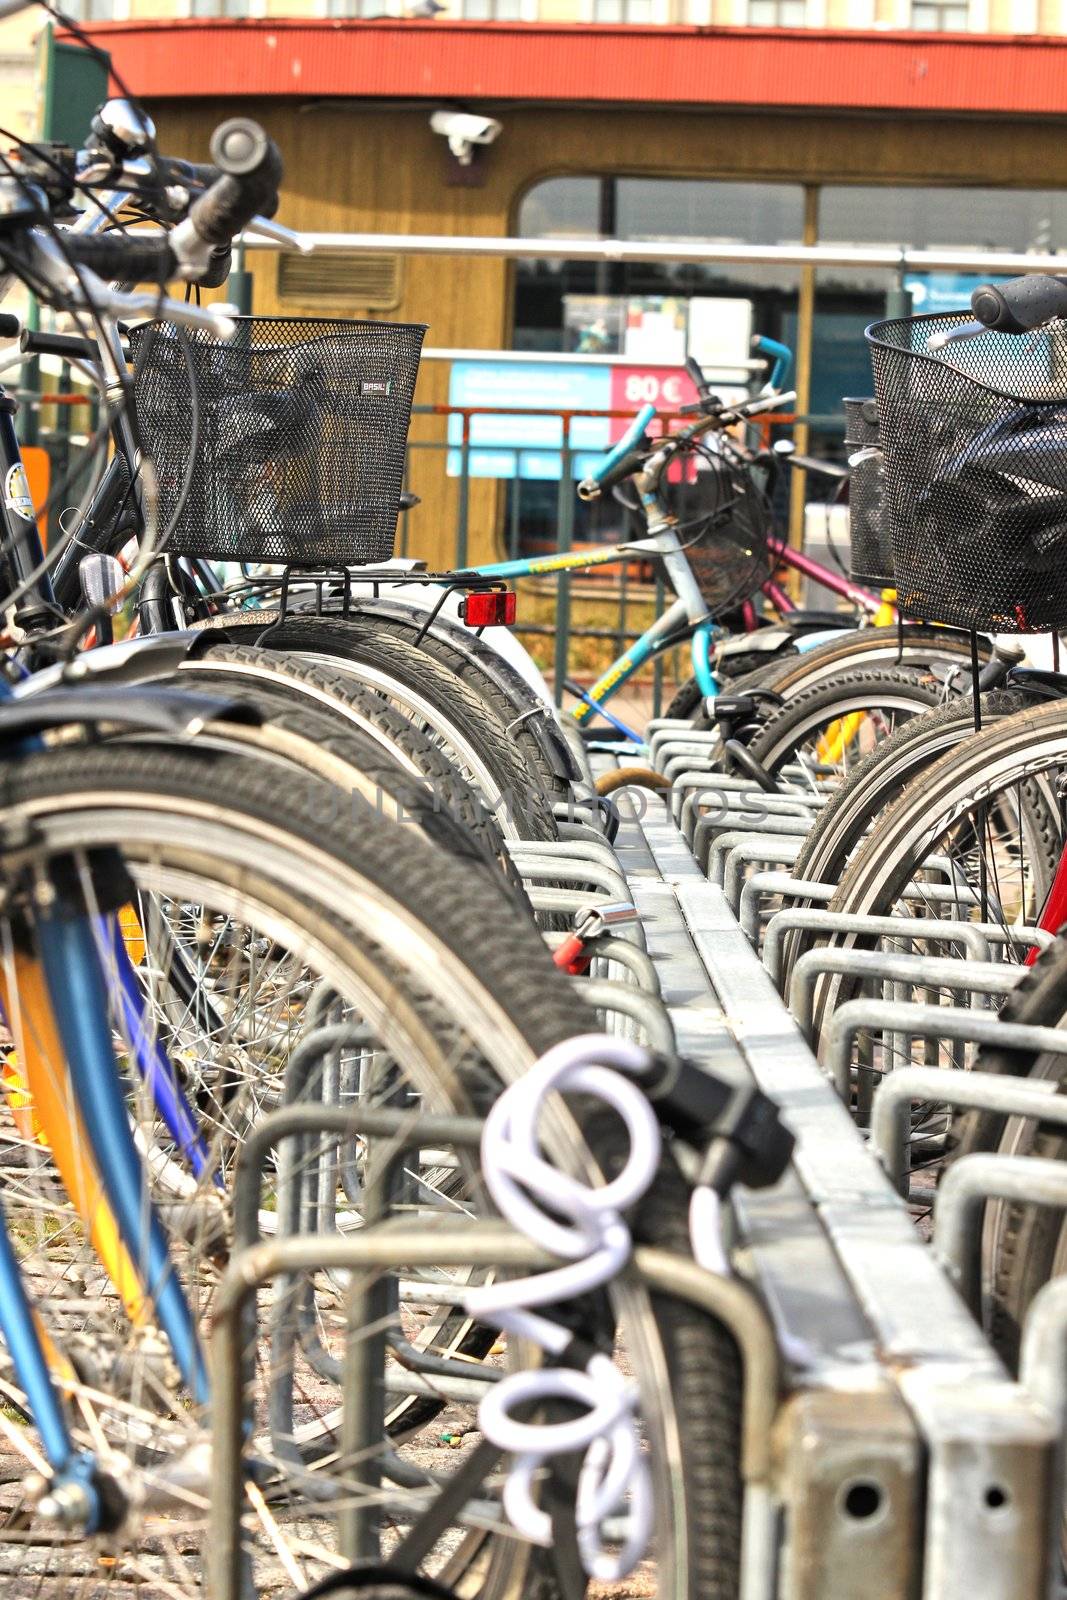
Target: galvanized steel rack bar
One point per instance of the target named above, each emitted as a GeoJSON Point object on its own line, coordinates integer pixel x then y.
{"type": "Point", "coordinates": [899, 1407]}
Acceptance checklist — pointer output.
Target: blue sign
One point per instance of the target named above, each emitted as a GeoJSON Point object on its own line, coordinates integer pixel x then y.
{"type": "Point", "coordinates": [517, 446]}
{"type": "Point", "coordinates": [934, 293]}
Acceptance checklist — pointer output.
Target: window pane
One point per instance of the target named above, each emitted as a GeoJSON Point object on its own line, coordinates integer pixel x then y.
{"type": "Point", "coordinates": [963, 219]}
{"type": "Point", "coordinates": [607, 10]}
{"type": "Point", "coordinates": [693, 208]}
{"type": "Point", "coordinates": [762, 13]}
{"type": "Point", "coordinates": [561, 206]}
{"type": "Point", "coordinates": [649, 208]}
{"type": "Point", "coordinates": [639, 10]}
{"type": "Point", "coordinates": [793, 14]}
{"type": "Point", "coordinates": [508, 10]}
{"type": "Point", "coordinates": [988, 219]}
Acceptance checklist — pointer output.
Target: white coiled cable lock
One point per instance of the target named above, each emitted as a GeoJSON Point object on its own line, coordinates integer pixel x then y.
{"type": "Point", "coordinates": [596, 1244]}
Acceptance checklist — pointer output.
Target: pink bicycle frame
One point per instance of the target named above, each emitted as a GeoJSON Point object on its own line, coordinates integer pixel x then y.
{"type": "Point", "coordinates": [835, 582]}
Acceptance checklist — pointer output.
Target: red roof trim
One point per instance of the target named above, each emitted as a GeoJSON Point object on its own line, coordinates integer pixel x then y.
{"type": "Point", "coordinates": [543, 63]}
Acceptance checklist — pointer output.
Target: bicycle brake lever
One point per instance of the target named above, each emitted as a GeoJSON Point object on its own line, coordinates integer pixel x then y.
{"type": "Point", "coordinates": [216, 319]}
{"type": "Point", "coordinates": [266, 228]}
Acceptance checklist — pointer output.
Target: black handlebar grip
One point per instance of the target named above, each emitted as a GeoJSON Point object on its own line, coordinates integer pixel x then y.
{"type": "Point", "coordinates": [130, 258]}
{"type": "Point", "coordinates": [1021, 304]}
{"type": "Point", "coordinates": [57, 344]}
{"type": "Point", "coordinates": [10, 326]}
{"type": "Point", "coordinates": [251, 172]}
{"type": "Point", "coordinates": [219, 269]}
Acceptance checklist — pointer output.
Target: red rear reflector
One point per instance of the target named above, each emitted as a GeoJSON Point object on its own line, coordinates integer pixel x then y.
{"type": "Point", "coordinates": [494, 609]}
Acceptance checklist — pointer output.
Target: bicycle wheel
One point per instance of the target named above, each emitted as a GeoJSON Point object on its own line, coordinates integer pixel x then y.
{"type": "Point", "coordinates": [325, 741]}
{"type": "Point", "coordinates": [923, 645]}
{"type": "Point", "coordinates": [224, 668]}
{"type": "Point", "coordinates": [285, 912]}
{"type": "Point", "coordinates": [496, 682]}
{"type": "Point", "coordinates": [1023, 1246]}
{"type": "Point", "coordinates": [828, 728]}
{"type": "Point", "coordinates": [492, 755]}
{"type": "Point", "coordinates": [841, 826]}
{"type": "Point", "coordinates": [977, 836]}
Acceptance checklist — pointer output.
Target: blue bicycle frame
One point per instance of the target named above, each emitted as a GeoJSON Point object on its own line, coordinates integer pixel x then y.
{"type": "Point", "coordinates": [86, 975]}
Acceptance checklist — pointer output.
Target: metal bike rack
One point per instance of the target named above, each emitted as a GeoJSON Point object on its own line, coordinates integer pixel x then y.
{"type": "Point", "coordinates": [980, 979]}
{"type": "Point", "coordinates": [978, 939]}
{"type": "Point", "coordinates": [782, 885]}
{"type": "Point", "coordinates": [440, 1242]}
{"type": "Point", "coordinates": [893, 1385]}
{"type": "Point", "coordinates": [731, 854]}
{"type": "Point", "coordinates": [965, 1187]}
{"type": "Point", "coordinates": [931, 1022]}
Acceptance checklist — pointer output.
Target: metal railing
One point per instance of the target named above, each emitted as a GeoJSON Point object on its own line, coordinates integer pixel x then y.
{"type": "Point", "coordinates": [891, 258]}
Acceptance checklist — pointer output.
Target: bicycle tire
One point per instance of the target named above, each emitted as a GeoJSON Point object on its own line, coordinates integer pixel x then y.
{"type": "Point", "coordinates": [502, 990]}
{"type": "Point", "coordinates": [924, 645]}
{"type": "Point", "coordinates": [494, 679]}
{"type": "Point", "coordinates": [840, 827]}
{"type": "Point", "coordinates": [1018, 750]}
{"type": "Point", "coordinates": [435, 798]}
{"type": "Point", "coordinates": [1021, 1245]}
{"type": "Point", "coordinates": [860, 690]}
{"type": "Point", "coordinates": [477, 730]}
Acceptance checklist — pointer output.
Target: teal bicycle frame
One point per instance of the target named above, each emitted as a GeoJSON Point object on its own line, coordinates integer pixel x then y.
{"type": "Point", "coordinates": [689, 611]}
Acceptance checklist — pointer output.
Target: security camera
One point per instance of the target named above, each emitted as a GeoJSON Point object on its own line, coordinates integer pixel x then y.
{"type": "Point", "coordinates": [463, 130]}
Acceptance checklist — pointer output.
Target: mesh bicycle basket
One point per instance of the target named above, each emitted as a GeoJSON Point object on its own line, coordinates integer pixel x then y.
{"type": "Point", "coordinates": [303, 425]}
{"type": "Point", "coordinates": [870, 551]}
{"type": "Point", "coordinates": [974, 442]}
{"type": "Point", "coordinates": [727, 549]}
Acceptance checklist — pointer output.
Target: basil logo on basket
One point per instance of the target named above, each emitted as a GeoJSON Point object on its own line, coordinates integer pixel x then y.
{"type": "Point", "coordinates": [377, 388]}
{"type": "Point", "coordinates": [17, 492]}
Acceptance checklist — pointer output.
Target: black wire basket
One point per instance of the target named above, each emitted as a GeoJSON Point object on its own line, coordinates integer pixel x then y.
{"type": "Point", "coordinates": [729, 554]}
{"type": "Point", "coordinates": [870, 550]}
{"type": "Point", "coordinates": [974, 443]}
{"type": "Point", "coordinates": [302, 424]}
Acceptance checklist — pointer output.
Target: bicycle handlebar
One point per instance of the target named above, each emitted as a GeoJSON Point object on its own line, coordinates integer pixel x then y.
{"type": "Point", "coordinates": [626, 447]}
{"type": "Point", "coordinates": [247, 173]}
{"type": "Point", "coordinates": [251, 170]}
{"type": "Point", "coordinates": [782, 356]}
{"type": "Point", "coordinates": [200, 174]}
{"type": "Point", "coordinates": [1021, 304]}
{"type": "Point", "coordinates": [67, 345]}
{"type": "Point", "coordinates": [133, 258]}
{"type": "Point", "coordinates": [696, 374]}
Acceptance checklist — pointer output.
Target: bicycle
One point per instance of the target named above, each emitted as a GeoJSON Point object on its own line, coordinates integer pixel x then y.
{"type": "Point", "coordinates": [713, 569]}
{"type": "Point", "coordinates": [245, 925]}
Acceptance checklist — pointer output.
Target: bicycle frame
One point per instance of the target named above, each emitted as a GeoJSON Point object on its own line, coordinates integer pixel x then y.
{"type": "Point", "coordinates": [59, 1002]}
{"type": "Point", "coordinates": [68, 1069]}
{"type": "Point", "coordinates": [687, 612]}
